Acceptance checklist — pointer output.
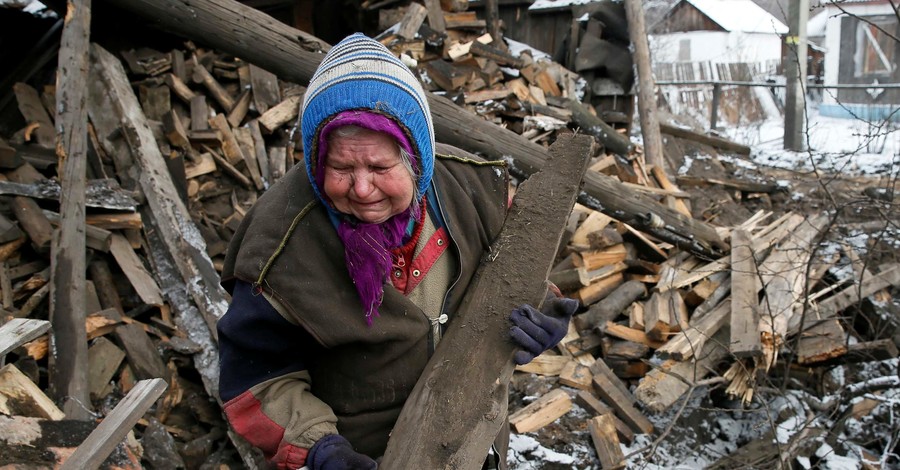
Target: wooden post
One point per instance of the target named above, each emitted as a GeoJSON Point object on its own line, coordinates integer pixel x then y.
{"type": "Point", "coordinates": [795, 73]}
{"type": "Point", "coordinates": [492, 18]}
{"type": "Point", "coordinates": [69, 358]}
{"type": "Point", "coordinates": [653, 149]}
{"type": "Point", "coordinates": [448, 422]}
{"type": "Point", "coordinates": [293, 55]}
{"type": "Point", "coordinates": [745, 340]}
{"type": "Point", "coordinates": [714, 113]}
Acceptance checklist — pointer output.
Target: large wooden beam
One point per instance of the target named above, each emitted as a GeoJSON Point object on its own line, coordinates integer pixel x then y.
{"type": "Point", "coordinates": [459, 403]}
{"type": "Point", "coordinates": [653, 149]}
{"type": "Point", "coordinates": [181, 236]}
{"type": "Point", "coordinates": [294, 55]}
{"type": "Point", "coordinates": [69, 359]}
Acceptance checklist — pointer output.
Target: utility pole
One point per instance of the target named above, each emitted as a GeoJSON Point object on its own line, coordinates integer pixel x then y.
{"type": "Point", "coordinates": [795, 72]}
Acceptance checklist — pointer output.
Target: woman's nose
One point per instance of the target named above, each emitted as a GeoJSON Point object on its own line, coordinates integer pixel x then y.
{"type": "Point", "coordinates": [362, 182]}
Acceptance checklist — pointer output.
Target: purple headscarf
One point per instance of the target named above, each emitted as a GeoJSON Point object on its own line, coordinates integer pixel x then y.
{"type": "Point", "coordinates": [367, 247]}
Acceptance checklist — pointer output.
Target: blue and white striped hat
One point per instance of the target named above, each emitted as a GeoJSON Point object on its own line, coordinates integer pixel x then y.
{"type": "Point", "coordinates": [359, 73]}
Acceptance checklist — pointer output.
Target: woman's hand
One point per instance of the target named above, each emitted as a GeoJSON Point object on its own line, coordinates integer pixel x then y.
{"type": "Point", "coordinates": [333, 452]}
{"type": "Point", "coordinates": [536, 331]}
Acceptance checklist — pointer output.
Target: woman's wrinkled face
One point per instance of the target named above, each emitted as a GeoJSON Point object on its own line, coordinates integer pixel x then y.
{"type": "Point", "coordinates": [365, 177]}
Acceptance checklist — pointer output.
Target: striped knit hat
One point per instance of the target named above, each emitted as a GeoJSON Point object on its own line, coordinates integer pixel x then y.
{"type": "Point", "coordinates": [359, 73]}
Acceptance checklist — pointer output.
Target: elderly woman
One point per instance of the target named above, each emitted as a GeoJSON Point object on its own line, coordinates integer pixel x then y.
{"type": "Point", "coordinates": [343, 276]}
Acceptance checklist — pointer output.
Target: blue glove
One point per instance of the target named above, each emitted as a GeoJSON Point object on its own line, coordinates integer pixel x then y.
{"type": "Point", "coordinates": [333, 452]}
{"type": "Point", "coordinates": [537, 331]}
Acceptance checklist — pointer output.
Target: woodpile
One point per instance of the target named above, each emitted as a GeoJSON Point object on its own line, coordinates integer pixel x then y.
{"type": "Point", "coordinates": [182, 142]}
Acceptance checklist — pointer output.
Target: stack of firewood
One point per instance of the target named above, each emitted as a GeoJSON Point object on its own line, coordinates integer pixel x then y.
{"type": "Point", "coordinates": [736, 317]}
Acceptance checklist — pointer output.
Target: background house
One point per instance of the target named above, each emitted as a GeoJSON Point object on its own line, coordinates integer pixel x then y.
{"type": "Point", "coordinates": [861, 48]}
{"type": "Point", "coordinates": [717, 40]}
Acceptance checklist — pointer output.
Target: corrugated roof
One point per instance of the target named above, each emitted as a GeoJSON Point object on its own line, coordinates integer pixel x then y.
{"type": "Point", "coordinates": [740, 15]}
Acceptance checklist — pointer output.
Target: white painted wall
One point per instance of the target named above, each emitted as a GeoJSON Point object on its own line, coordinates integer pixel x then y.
{"type": "Point", "coordinates": [833, 38]}
{"type": "Point", "coordinates": [717, 46]}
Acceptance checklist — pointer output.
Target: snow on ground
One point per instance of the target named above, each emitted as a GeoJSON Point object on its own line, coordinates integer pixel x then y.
{"type": "Point", "coordinates": [835, 145]}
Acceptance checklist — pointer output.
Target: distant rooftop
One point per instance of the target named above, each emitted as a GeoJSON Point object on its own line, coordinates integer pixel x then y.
{"type": "Point", "coordinates": [739, 15]}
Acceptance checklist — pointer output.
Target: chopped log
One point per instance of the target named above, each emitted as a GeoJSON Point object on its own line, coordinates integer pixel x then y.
{"type": "Point", "coordinates": [576, 375]}
{"type": "Point", "coordinates": [496, 54]}
{"type": "Point", "coordinates": [35, 115]}
{"type": "Point", "coordinates": [19, 331]}
{"type": "Point", "coordinates": [104, 359]}
{"type": "Point", "coordinates": [206, 165]}
{"type": "Point", "coordinates": [230, 169]}
{"type": "Point", "coordinates": [448, 76]}
{"type": "Point", "coordinates": [591, 404]}
{"type": "Point", "coordinates": [230, 146]}
{"type": "Point", "coordinates": [265, 89]}
{"type": "Point", "coordinates": [630, 334]}
{"type": "Point", "coordinates": [275, 46]}
{"type": "Point", "coordinates": [182, 91]}
{"type": "Point", "coordinates": [241, 107]}
{"type": "Point", "coordinates": [199, 114]}
{"type": "Point", "coordinates": [20, 396]}
{"type": "Point", "coordinates": [701, 327]}
{"type": "Point", "coordinates": [117, 424]}
{"type": "Point", "coordinates": [412, 19]}
{"type": "Point", "coordinates": [660, 176]}
{"type": "Point", "coordinates": [745, 339]}
{"type": "Point", "coordinates": [9, 231]}
{"type": "Point", "coordinates": [281, 114]}
{"type": "Point", "coordinates": [142, 355]}
{"type": "Point", "coordinates": [717, 142]}
{"type": "Point", "coordinates": [594, 222]}
{"type": "Point", "coordinates": [262, 158]}
{"type": "Point", "coordinates": [877, 350]}
{"type": "Point", "coordinates": [599, 289]}
{"type": "Point", "coordinates": [115, 221]}
{"type": "Point", "coordinates": [9, 156]}
{"type": "Point", "coordinates": [616, 395]}
{"type": "Point", "coordinates": [245, 141]}
{"type": "Point", "coordinates": [592, 125]}
{"type": "Point", "coordinates": [664, 385]}
{"type": "Point", "coordinates": [611, 306]}
{"type": "Point", "coordinates": [606, 442]}
{"type": "Point", "coordinates": [419, 438]}
{"type": "Point", "coordinates": [664, 313]}
{"type": "Point", "coordinates": [201, 75]}
{"type": "Point", "coordinates": [545, 364]}
{"type": "Point", "coordinates": [435, 16]}
{"type": "Point", "coordinates": [183, 240]}
{"type": "Point", "coordinates": [541, 412]}
{"type": "Point", "coordinates": [595, 259]}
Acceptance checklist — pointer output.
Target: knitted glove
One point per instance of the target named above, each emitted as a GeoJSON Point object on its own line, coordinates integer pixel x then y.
{"type": "Point", "coordinates": [537, 331]}
{"type": "Point", "coordinates": [333, 452]}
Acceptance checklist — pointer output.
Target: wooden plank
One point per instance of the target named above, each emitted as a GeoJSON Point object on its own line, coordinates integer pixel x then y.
{"type": "Point", "coordinates": [685, 344]}
{"type": "Point", "coordinates": [20, 396]}
{"type": "Point", "coordinates": [265, 88]}
{"type": "Point", "coordinates": [230, 146]}
{"type": "Point", "coordinates": [606, 442]}
{"type": "Point", "coordinates": [205, 166]}
{"type": "Point", "coordinates": [19, 331]}
{"type": "Point", "coordinates": [745, 339]}
{"type": "Point", "coordinates": [783, 275]}
{"type": "Point", "coordinates": [281, 114]}
{"type": "Point", "coordinates": [245, 141]}
{"type": "Point", "coordinates": [97, 238]}
{"type": "Point", "coordinates": [142, 355]}
{"type": "Point", "coordinates": [241, 107]}
{"type": "Point", "coordinates": [134, 270]}
{"type": "Point", "coordinates": [104, 359]}
{"type": "Point", "coordinates": [616, 395]}
{"type": "Point", "coordinates": [468, 425]}
{"type": "Point", "coordinates": [183, 240]}
{"type": "Point", "coordinates": [592, 405]}
{"type": "Point", "coordinates": [262, 158]}
{"type": "Point", "coordinates": [117, 424]}
{"type": "Point", "coordinates": [541, 412]}
{"type": "Point", "coordinates": [181, 90]}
